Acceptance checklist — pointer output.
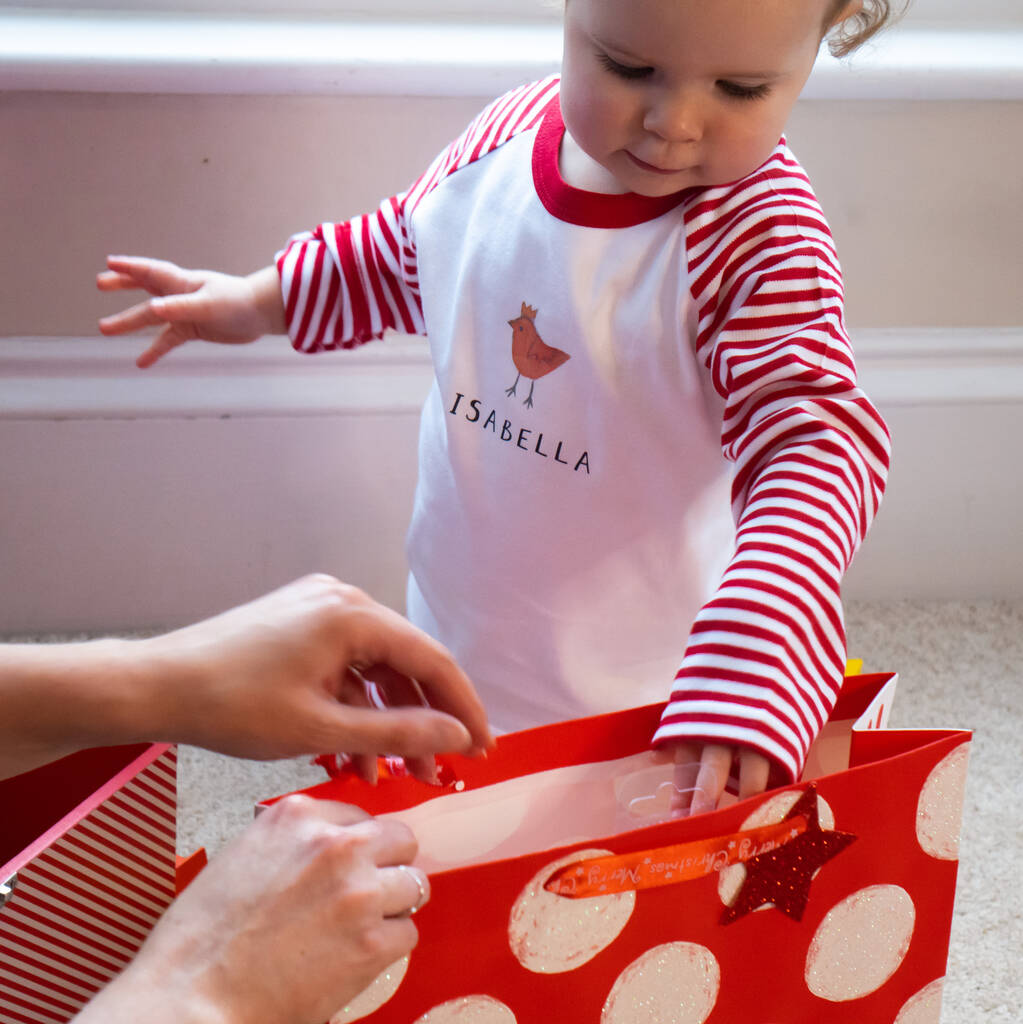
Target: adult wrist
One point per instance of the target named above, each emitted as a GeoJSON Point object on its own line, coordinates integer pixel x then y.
{"type": "Point", "coordinates": [160, 681]}
{"type": "Point", "coordinates": [153, 997]}
{"type": "Point", "coordinates": [115, 692]}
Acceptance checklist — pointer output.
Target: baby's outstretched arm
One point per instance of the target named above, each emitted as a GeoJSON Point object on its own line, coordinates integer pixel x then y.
{"type": "Point", "coordinates": [192, 304]}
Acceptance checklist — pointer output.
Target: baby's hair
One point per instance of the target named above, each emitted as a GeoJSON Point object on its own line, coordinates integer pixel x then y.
{"type": "Point", "coordinates": [854, 31]}
{"type": "Point", "coordinates": [850, 33]}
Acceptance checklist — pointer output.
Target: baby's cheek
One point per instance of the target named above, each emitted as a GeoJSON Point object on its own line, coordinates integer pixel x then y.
{"type": "Point", "coordinates": [740, 156]}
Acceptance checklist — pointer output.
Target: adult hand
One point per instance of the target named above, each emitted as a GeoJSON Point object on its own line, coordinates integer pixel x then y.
{"type": "Point", "coordinates": [294, 672]}
{"type": "Point", "coordinates": [287, 674]}
{"type": "Point", "coordinates": [191, 304]}
{"type": "Point", "coordinates": [290, 922]}
{"type": "Point", "coordinates": [702, 771]}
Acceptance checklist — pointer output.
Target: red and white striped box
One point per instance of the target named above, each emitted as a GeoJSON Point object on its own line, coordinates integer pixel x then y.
{"type": "Point", "coordinates": [87, 866]}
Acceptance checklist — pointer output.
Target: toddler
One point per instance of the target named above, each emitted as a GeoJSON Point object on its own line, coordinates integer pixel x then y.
{"type": "Point", "coordinates": [645, 423]}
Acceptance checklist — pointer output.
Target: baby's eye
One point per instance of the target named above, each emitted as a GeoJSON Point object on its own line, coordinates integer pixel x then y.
{"type": "Point", "coordinates": [743, 92]}
{"type": "Point", "coordinates": [623, 70]}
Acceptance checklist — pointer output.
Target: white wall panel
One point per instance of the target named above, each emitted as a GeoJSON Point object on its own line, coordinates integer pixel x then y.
{"type": "Point", "coordinates": [131, 500]}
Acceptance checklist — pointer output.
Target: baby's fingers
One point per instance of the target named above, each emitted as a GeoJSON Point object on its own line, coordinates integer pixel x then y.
{"type": "Point", "coordinates": [112, 281]}
{"type": "Point", "coordinates": [135, 318]}
{"type": "Point", "coordinates": [715, 764]}
{"type": "Point", "coordinates": [754, 772]}
{"type": "Point", "coordinates": [169, 338]}
{"type": "Point", "coordinates": [158, 277]}
{"type": "Point", "coordinates": [700, 777]}
{"type": "Point", "coordinates": [686, 757]}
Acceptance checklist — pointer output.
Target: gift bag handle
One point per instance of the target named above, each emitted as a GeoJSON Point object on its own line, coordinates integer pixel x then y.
{"type": "Point", "coordinates": [669, 865]}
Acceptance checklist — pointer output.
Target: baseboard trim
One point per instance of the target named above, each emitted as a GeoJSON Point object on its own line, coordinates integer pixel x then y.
{"type": "Point", "coordinates": [941, 366]}
{"type": "Point", "coordinates": [95, 378]}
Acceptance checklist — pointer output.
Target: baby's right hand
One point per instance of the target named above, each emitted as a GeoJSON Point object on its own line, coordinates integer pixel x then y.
{"type": "Point", "coordinates": [192, 304]}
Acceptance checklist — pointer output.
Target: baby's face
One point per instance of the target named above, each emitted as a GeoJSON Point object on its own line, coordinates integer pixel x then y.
{"type": "Point", "coordinates": [661, 95]}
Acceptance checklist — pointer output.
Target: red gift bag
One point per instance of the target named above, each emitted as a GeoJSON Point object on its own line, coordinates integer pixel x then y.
{"type": "Point", "coordinates": [87, 848]}
{"type": "Point", "coordinates": [560, 893]}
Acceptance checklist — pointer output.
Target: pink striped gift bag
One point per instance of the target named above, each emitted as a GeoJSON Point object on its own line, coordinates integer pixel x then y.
{"type": "Point", "coordinates": [87, 866]}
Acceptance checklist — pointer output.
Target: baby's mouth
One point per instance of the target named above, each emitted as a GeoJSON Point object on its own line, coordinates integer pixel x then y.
{"type": "Point", "coordinates": [653, 168]}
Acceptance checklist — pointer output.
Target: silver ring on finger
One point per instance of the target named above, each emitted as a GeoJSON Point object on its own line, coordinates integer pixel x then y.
{"type": "Point", "coordinates": [423, 895]}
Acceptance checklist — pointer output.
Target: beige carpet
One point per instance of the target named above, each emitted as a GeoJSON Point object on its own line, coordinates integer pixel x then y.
{"type": "Point", "coordinates": [958, 664]}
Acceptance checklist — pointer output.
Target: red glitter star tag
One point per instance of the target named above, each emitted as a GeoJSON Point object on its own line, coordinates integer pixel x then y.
{"type": "Point", "coordinates": [782, 876]}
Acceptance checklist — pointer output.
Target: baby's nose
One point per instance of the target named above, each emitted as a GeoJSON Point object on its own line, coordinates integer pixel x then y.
{"type": "Point", "coordinates": [675, 117]}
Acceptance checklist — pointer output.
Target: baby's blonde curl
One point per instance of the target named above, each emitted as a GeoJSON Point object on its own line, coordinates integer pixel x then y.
{"type": "Point", "coordinates": [852, 32]}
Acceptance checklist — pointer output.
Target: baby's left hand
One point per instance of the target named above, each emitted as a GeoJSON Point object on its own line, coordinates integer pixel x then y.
{"type": "Point", "coordinates": [701, 774]}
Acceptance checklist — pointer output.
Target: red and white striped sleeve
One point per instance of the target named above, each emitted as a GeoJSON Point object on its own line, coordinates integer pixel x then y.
{"type": "Point", "coordinates": [345, 284]}
{"type": "Point", "coordinates": [766, 655]}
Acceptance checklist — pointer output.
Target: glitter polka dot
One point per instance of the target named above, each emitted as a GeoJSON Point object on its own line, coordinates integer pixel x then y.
{"type": "Point", "coordinates": [373, 997]}
{"type": "Point", "coordinates": [677, 983]}
{"type": "Point", "coordinates": [550, 934]}
{"type": "Point", "coordinates": [860, 943]}
{"type": "Point", "coordinates": [770, 812]}
{"type": "Point", "coordinates": [924, 1007]}
{"type": "Point", "coordinates": [469, 1010]}
{"type": "Point", "coordinates": [939, 809]}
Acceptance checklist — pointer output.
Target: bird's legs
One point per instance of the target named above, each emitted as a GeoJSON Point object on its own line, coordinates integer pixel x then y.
{"type": "Point", "coordinates": [528, 403]}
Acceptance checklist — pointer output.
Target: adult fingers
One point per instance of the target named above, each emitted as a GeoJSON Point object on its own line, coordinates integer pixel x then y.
{"type": "Point", "coordinates": [299, 807]}
{"type": "Point", "coordinates": [405, 890]}
{"type": "Point", "coordinates": [396, 690]}
{"type": "Point", "coordinates": [355, 693]}
{"type": "Point", "coordinates": [402, 731]}
{"type": "Point", "coordinates": [382, 637]}
{"type": "Point", "coordinates": [385, 841]}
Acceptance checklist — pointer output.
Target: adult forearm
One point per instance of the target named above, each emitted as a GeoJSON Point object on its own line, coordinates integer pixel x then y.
{"type": "Point", "coordinates": [59, 698]}
{"type": "Point", "coordinates": [155, 997]}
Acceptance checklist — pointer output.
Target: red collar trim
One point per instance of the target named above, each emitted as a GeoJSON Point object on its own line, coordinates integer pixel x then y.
{"type": "Point", "coordinates": [576, 206]}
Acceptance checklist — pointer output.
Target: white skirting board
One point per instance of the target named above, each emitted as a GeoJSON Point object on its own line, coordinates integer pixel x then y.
{"type": "Point", "coordinates": [133, 499]}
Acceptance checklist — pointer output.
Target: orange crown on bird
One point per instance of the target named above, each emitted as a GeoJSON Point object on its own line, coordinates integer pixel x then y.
{"type": "Point", "coordinates": [532, 356]}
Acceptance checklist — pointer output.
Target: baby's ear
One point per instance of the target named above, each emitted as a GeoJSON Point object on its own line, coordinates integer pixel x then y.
{"type": "Point", "coordinates": [841, 11]}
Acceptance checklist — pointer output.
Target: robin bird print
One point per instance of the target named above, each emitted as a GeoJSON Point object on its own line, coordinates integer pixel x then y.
{"type": "Point", "coordinates": [532, 356]}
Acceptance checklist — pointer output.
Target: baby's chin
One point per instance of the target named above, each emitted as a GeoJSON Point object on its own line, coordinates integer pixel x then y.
{"type": "Point", "coordinates": [667, 188]}
{"type": "Point", "coordinates": [659, 187]}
